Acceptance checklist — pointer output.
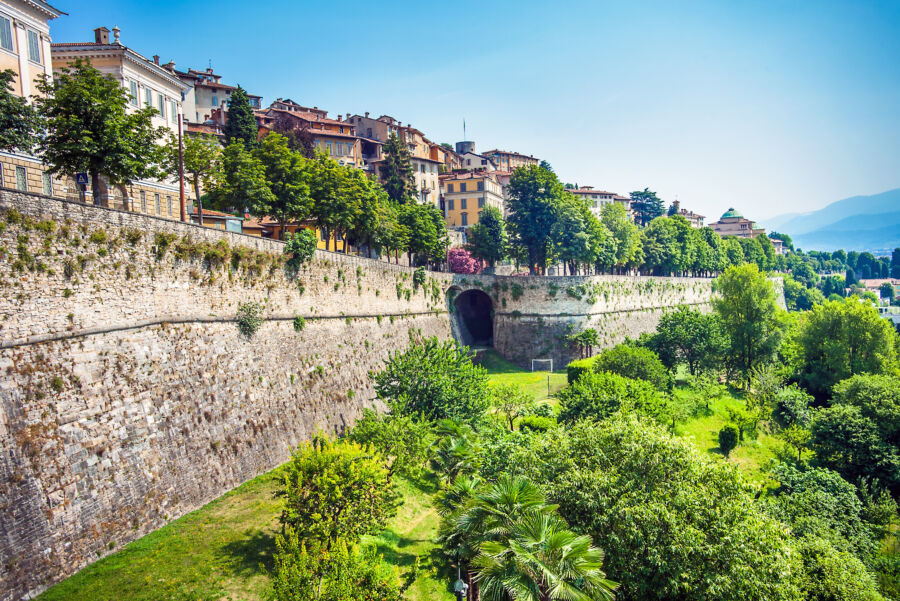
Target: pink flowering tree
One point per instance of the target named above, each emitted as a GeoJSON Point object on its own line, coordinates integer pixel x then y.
{"type": "Point", "coordinates": [461, 261]}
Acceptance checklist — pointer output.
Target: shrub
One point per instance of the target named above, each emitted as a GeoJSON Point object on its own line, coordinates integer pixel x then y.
{"type": "Point", "coordinates": [728, 438]}
{"type": "Point", "coordinates": [98, 236]}
{"type": "Point", "coordinates": [301, 246]}
{"type": "Point", "coordinates": [299, 323]}
{"type": "Point", "coordinates": [792, 408]}
{"type": "Point", "coordinates": [460, 261]}
{"type": "Point", "coordinates": [634, 362]}
{"type": "Point", "coordinates": [578, 368]}
{"type": "Point", "coordinates": [536, 423]}
{"type": "Point", "coordinates": [249, 318]}
{"type": "Point", "coordinates": [162, 242]}
{"type": "Point", "coordinates": [599, 395]}
{"type": "Point", "coordinates": [419, 277]}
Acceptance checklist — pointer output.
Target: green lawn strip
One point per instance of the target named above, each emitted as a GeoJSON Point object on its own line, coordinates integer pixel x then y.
{"type": "Point", "coordinates": [209, 554]}
{"type": "Point", "coordinates": [502, 371]}
{"type": "Point", "coordinates": [410, 535]}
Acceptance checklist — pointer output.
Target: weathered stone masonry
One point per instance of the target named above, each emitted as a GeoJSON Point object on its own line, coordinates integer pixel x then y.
{"type": "Point", "coordinates": [128, 396]}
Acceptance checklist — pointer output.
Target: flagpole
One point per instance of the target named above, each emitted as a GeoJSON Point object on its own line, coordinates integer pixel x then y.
{"type": "Point", "coordinates": [181, 164]}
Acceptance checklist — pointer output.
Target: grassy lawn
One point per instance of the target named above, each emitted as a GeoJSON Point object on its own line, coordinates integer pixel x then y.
{"type": "Point", "coordinates": [502, 371]}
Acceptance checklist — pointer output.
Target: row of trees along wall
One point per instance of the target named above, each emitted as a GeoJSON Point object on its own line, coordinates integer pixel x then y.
{"type": "Point", "coordinates": [129, 396]}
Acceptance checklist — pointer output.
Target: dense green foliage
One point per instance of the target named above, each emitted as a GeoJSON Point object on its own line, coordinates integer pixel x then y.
{"type": "Point", "coordinates": [240, 123]}
{"type": "Point", "coordinates": [488, 240]}
{"type": "Point", "coordinates": [689, 337]}
{"type": "Point", "coordinates": [19, 121]}
{"type": "Point", "coordinates": [601, 394]}
{"type": "Point", "coordinates": [397, 171]}
{"type": "Point", "coordinates": [634, 362]}
{"type": "Point", "coordinates": [435, 379]}
{"type": "Point", "coordinates": [729, 436]}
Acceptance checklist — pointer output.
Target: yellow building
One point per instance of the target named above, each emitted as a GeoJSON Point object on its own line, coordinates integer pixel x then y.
{"type": "Point", "coordinates": [464, 195]}
{"type": "Point", "coordinates": [510, 161]}
{"type": "Point", "coordinates": [25, 49]}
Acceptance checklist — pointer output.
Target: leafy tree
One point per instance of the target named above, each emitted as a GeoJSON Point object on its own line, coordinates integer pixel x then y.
{"type": "Point", "coordinates": [842, 338]}
{"type": "Point", "coordinates": [634, 362]}
{"type": "Point", "coordinates": [786, 240]}
{"type": "Point", "coordinates": [745, 303]}
{"type": "Point", "coordinates": [89, 129]}
{"type": "Point", "coordinates": [895, 263]}
{"type": "Point", "coordinates": [768, 251]}
{"type": "Point", "coordinates": [243, 183]}
{"type": "Point", "coordinates": [546, 166]}
{"type": "Point", "coordinates": [288, 176]}
{"type": "Point", "coordinates": [733, 251]}
{"type": "Point", "coordinates": [511, 402]}
{"type": "Point", "coordinates": [341, 573]}
{"type": "Point", "coordinates": [792, 408]}
{"type": "Point", "coordinates": [202, 164]}
{"type": "Point", "coordinates": [686, 336]}
{"type": "Point", "coordinates": [886, 290]}
{"type": "Point", "coordinates": [831, 574]}
{"type": "Point", "coordinates": [20, 123]}
{"type": "Point", "coordinates": [625, 233]}
{"type": "Point", "coordinates": [674, 522]}
{"type": "Point", "coordinates": [798, 297]}
{"type": "Point", "coordinates": [240, 123]}
{"type": "Point", "coordinates": [878, 398]}
{"type": "Point", "coordinates": [753, 252]}
{"type": "Point", "coordinates": [401, 439]}
{"type": "Point", "coordinates": [397, 171]}
{"type": "Point", "coordinates": [850, 277]}
{"type": "Point", "coordinates": [435, 379]}
{"type": "Point", "coordinates": [646, 205]}
{"type": "Point", "coordinates": [662, 254]}
{"type": "Point", "coordinates": [427, 232]}
{"type": "Point", "coordinates": [488, 240]}
{"type": "Point", "coordinates": [542, 560]}
{"type": "Point", "coordinates": [708, 388]}
{"type": "Point", "coordinates": [585, 341]}
{"type": "Point", "coordinates": [716, 258]}
{"type": "Point", "coordinates": [335, 491]}
{"type": "Point", "coordinates": [600, 395]}
{"type": "Point", "coordinates": [850, 443]}
{"type": "Point", "coordinates": [569, 234]}
{"type": "Point", "coordinates": [534, 196]}
{"type": "Point", "coordinates": [728, 439]}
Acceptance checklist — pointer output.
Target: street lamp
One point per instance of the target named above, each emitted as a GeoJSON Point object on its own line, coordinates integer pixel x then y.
{"type": "Point", "coordinates": [460, 588]}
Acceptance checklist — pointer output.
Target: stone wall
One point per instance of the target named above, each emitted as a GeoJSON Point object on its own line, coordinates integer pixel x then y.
{"type": "Point", "coordinates": [128, 397]}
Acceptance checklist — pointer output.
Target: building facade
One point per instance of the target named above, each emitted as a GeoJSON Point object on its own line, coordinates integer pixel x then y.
{"type": "Point", "coordinates": [465, 195]}
{"type": "Point", "coordinates": [510, 161]}
{"type": "Point", "coordinates": [206, 102]}
{"type": "Point", "coordinates": [597, 199]}
{"type": "Point", "coordinates": [25, 49]}
{"type": "Point", "coordinates": [335, 137]}
{"type": "Point", "coordinates": [732, 223]}
{"type": "Point", "coordinates": [149, 84]}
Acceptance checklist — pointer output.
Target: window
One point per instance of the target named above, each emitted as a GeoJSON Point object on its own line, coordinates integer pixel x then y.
{"type": "Point", "coordinates": [158, 206]}
{"type": "Point", "coordinates": [368, 132]}
{"type": "Point", "coordinates": [342, 129]}
{"type": "Point", "coordinates": [21, 181]}
{"type": "Point", "coordinates": [215, 101]}
{"type": "Point", "coordinates": [5, 34]}
{"type": "Point", "coordinates": [161, 103]}
{"type": "Point", "coordinates": [143, 202]}
{"type": "Point", "coordinates": [484, 161]}
{"type": "Point", "coordinates": [34, 46]}
{"type": "Point", "coordinates": [47, 183]}
{"type": "Point", "coordinates": [132, 86]}
{"type": "Point", "coordinates": [464, 219]}
{"type": "Point", "coordinates": [422, 167]}
{"type": "Point", "coordinates": [169, 204]}
{"type": "Point", "coordinates": [450, 204]}
{"type": "Point", "coordinates": [481, 202]}
{"type": "Point", "coordinates": [148, 96]}
{"type": "Point", "coordinates": [173, 111]}
{"type": "Point", "coordinates": [481, 186]}
{"type": "Point", "coordinates": [328, 147]}
{"type": "Point", "coordinates": [462, 204]}
{"type": "Point", "coordinates": [468, 162]}
{"type": "Point", "coordinates": [449, 187]}
{"type": "Point", "coordinates": [462, 187]}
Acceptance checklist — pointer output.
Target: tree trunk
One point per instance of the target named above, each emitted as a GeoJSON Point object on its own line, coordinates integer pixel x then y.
{"type": "Point", "coordinates": [95, 188]}
{"type": "Point", "coordinates": [198, 203]}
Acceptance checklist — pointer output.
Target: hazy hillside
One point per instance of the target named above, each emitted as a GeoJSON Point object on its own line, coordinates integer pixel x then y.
{"type": "Point", "coordinates": [858, 223]}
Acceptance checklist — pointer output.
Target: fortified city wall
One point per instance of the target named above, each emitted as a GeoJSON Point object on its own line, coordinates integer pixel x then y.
{"type": "Point", "coordinates": [128, 396]}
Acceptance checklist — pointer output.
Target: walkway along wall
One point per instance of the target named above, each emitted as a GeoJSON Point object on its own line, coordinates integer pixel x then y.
{"type": "Point", "coordinates": [128, 397]}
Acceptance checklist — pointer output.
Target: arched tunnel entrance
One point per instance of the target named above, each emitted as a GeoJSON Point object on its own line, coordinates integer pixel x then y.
{"type": "Point", "coordinates": [474, 316]}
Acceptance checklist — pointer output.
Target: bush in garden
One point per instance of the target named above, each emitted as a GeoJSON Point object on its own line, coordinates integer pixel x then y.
{"type": "Point", "coordinates": [461, 261]}
{"type": "Point", "coordinates": [728, 438]}
{"type": "Point", "coordinates": [634, 362]}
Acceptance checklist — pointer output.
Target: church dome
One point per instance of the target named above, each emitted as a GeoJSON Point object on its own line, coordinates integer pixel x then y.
{"type": "Point", "coordinates": [732, 214]}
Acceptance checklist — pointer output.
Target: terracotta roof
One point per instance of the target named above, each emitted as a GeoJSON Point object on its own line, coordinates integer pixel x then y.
{"type": "Point", "coordinates": [509, 152]}
{"type": "Point", "coordinates": [307, 116]}
{"type": "Point", "coordinates": [590, 191]}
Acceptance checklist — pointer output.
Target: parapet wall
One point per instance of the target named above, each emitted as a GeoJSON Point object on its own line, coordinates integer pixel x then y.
{"type": "Point", "coordinates": [128, 396]}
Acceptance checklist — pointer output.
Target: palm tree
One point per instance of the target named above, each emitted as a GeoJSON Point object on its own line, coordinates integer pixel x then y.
{"type": "Point", "coordinates": [455, 451]}
{"type": "Point", "coordinates": [542, 560]}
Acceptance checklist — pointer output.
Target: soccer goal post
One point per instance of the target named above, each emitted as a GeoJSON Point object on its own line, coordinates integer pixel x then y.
{"type": "Point", "coordinates": [542, 365]}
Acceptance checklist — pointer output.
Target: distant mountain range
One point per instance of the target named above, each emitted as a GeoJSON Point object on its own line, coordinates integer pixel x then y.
{"type": "Point", "coordinates": [862, 223]}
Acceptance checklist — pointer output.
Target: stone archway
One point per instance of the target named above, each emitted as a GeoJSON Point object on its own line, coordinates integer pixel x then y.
{"type": "Point", "coordinates": [473, 312]}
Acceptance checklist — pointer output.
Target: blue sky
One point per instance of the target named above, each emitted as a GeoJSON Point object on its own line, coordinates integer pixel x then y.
{"type": "Point", "coordinates": [770, 107]}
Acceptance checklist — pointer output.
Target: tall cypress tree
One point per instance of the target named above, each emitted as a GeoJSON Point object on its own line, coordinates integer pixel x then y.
{"type": "Point", "coordinates": [397, 171]}
{"type": "Point", "coordinates": [240, 124]}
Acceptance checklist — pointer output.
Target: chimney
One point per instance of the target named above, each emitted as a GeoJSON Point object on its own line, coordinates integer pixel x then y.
{"type": "Point", "coordinates": [101, 35]}
{"type": "Point", "coordinates": [170, 65]}
{"type": "Point", "coordinates": [155, 59]}
{"type": "Point", "coordinates": [367, 114]}
{"type": "Point", "coordinates": [340, 118]}
{"type": "Point", "coordinates": [209, 70]}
